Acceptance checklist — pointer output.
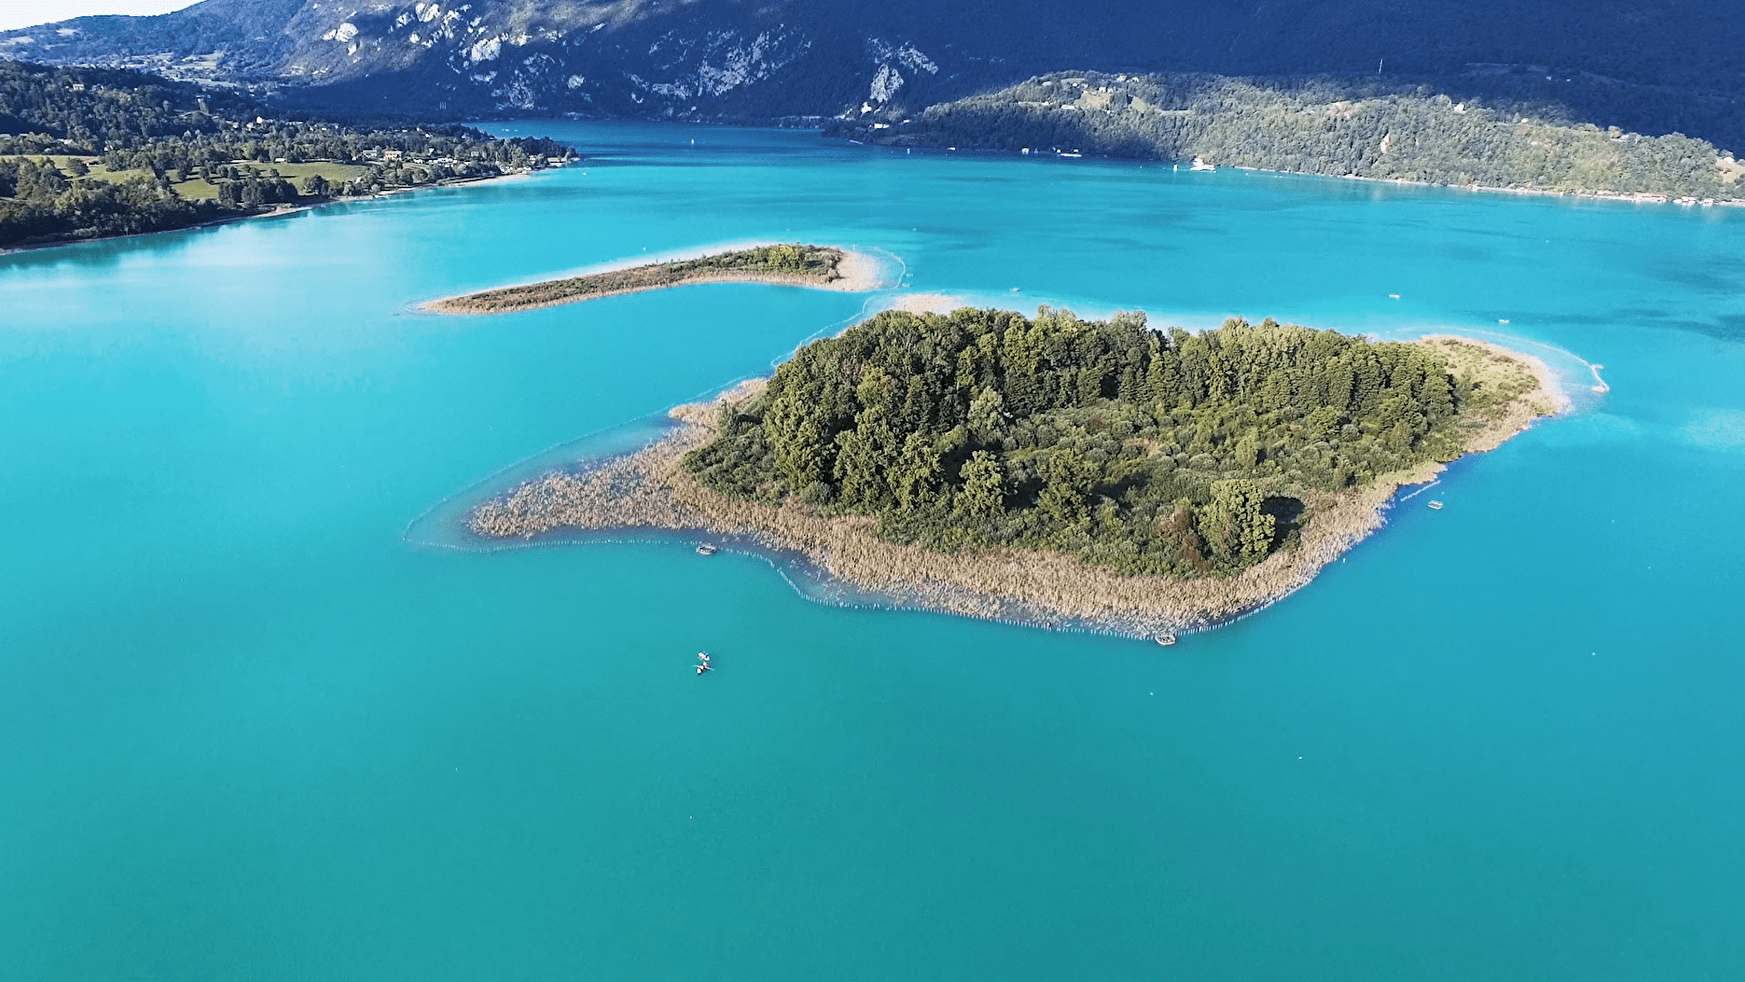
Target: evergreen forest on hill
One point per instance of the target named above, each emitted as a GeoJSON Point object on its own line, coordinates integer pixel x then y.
{"type": "Point", "coordinates": [86, 153]}
{"type": "Point", "coordinates": [1164, 453]}
{"type": "Point", "coordinates": [1319, 126]}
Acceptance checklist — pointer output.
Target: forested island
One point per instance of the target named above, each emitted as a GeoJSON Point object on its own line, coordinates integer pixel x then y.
{"type": "Point", "coordinates": [1060, 471]}
{"type": "Point", "coordinates": [1319, 126]}
{"type": "Point", "coordinates": [783, 264]}
{"type": "Point", "coordinates": [89, 152]}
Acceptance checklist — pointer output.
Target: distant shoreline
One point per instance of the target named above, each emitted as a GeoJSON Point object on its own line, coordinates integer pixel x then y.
{"type": "Point", "coordinates": [1624, 197]}
{"type": "Point", "coordinates": [278, 211]}
{"type": "Point", "coordinates": [650, 488]}
{"type": "Point", "coordinates": [839, 268]}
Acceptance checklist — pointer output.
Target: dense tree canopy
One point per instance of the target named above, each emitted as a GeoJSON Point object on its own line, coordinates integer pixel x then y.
{"type": "Point", "coordinates": [1151, 452]}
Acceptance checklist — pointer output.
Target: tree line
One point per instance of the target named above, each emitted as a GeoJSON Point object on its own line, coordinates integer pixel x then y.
{"type": "Point", "coordinates": [1163, 453]}
{"type": "Point", "coordinates": [1319, 126]}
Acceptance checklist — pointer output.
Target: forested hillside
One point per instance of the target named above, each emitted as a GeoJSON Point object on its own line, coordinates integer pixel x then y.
{"type": "Point", "coordinates": [86, 153]}
{"type": "Point", "coordinates": [1318, 127]}
{"type": "Point", "coordinates": [1160, 453]}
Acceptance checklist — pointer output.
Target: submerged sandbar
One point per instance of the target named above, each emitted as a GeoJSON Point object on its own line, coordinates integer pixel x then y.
{"type": "Point", "coordinates": [782, 264]}
{"type": "Point", "coordinates": [659, 487]}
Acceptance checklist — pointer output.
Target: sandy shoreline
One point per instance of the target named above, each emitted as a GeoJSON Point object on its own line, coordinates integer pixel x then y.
{"type": "Point", "coordinates": [929, 303]}
{"type": "Point", "coordinates": [855, 272]}
{"type": "Point", "coordinates": [650, 488]}
{"type": "Point", "coordinates": [1626, 197]}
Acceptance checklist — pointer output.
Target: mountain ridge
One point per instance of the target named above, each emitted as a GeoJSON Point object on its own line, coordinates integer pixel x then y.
{"type": "Point", "coordinates": [1648, 66]}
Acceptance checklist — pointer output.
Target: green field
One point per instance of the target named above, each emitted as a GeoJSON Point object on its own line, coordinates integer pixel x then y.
{"type": "Point", "coordinates": [198, 190]}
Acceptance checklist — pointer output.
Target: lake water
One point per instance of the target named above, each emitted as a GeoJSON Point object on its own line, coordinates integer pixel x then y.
{"type": "Point", "coordinates": [250, 731]}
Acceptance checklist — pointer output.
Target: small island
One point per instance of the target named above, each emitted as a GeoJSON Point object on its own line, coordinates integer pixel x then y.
{"type": "Point", "coordinates": [783, 264]}
{"type": "Point", "coordinates": [1060, 472]}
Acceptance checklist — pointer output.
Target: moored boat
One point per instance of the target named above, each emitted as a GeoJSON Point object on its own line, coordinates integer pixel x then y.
{"type": "Point", "coordinates": [1165, 639]}
{"type": "Point", "coordinates": [706, 549]}
{"type": "Point", "coordinates": [1436, 505]}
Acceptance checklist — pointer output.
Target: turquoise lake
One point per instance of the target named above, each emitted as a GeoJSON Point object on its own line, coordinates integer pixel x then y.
{"type": "Point", "coordinates": [249, 731]}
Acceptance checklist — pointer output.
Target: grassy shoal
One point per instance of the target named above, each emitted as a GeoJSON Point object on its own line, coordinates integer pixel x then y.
{"type": "Point", "coordinates": [783, 264]}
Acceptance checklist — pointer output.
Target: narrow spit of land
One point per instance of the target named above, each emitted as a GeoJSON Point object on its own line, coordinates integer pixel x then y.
{"type": "Point", "coordinates": [783, 264]}
{"type": "Point", "coordinates": [1158, 540]}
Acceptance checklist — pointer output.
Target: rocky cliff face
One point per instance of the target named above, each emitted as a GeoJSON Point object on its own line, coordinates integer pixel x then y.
{"type": "Point", "coordinates": [1649, 65]}
{"type": "Point", "coordinates": [622, 57]}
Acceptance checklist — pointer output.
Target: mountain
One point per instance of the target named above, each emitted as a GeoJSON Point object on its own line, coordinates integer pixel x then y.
{"type": "Point", "coordinates": [1648, 65]}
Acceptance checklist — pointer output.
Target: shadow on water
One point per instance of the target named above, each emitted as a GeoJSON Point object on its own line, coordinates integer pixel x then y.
{"type": "Point", "coordinates": [108, 253]}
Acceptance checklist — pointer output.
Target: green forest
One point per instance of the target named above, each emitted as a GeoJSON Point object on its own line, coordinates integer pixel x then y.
{"type": "Point", "coordinates": [1163, 453]}
{"type": "Point", "coordinates": [1318, 126]}
{"type": "Point", "coordinates": [88, 152]}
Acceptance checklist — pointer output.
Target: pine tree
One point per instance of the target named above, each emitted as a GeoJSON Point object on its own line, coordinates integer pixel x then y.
{"type": "Point", "coordinates": [983, 494]}
{"type": "Point", "coordinates": [1067, 494]}
{"type": "Point", "coordinates": [1235, 525]}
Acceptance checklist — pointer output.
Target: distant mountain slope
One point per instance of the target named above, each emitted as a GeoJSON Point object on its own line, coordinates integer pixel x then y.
{"type": "Point", "coordinates": [1652, 65]}
{"type": "Point", "coordinates": [1316, 126]}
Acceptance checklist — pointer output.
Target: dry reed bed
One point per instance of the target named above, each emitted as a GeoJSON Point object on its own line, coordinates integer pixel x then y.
{"type": "Point", "coordinates": [651, 488]}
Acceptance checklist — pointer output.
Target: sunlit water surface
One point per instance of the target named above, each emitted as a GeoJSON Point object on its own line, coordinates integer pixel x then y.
{"type": "Point", "coordinates": [250, 731]}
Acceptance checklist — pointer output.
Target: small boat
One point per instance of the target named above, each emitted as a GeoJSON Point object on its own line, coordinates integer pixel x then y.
{"type": "Point", "coordinates": [703, 663]}
{"type": "Point", "coordinates": [707, 549]}
{"type": "Point", "coordinates": [1436, 505]}
{"type": "Point", "coordinates": [1165, 639]}
{"type": "Point", "coordinates": [1393, 296]}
